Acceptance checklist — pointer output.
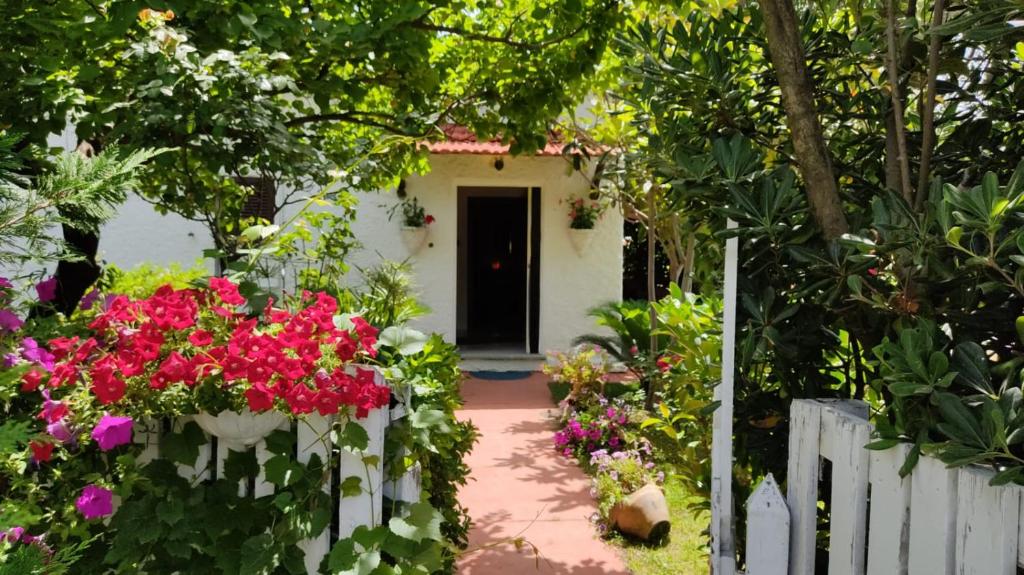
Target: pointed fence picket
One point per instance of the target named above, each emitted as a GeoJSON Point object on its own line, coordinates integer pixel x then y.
{"type": "Point", "coordinates": [314, 436]}
{"type": "Point", "coordinates": [935, 521]}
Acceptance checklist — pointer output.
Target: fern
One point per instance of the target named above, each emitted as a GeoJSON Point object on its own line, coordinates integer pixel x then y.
{"type": "Point", "coordinates": [80, 192]}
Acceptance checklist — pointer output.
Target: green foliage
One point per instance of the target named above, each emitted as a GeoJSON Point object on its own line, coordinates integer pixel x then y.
{"type": "Point", "coordinates": [142, 281]}
{"type": "Point", "coordinates": [76, 191]}
{"type": "Point", "coordinates": [432, 436]}
{"type": "Point", "coordinates": [583, 369]}
{"type": "Point", "coordinates": [387, 297]}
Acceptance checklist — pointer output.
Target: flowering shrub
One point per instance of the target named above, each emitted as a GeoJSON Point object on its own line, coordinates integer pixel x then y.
{"type": "Point", "coordinates": [585, 369]}
{"type": "Point", "coordinates": [194, 350]}
{"type": "Point", "coordinates": [618, 474]}
{"type": "Point", "coordinates": [606, 426]}
{"type": "Point", "coordinates": [583, 214]}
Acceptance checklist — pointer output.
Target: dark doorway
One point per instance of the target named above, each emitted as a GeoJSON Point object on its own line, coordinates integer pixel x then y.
{"type": "Point", "coordinates": [493, 266]}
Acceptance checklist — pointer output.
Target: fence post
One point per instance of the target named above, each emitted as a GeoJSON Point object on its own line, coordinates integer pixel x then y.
{"type": "Point", "coordinates": [802, 483]}
{"type": "Point", "coordinates": [767, 530]}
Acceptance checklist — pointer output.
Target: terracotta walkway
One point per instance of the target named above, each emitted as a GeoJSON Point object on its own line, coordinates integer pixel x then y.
{"type": "Point", "coordinates": [519, 485]}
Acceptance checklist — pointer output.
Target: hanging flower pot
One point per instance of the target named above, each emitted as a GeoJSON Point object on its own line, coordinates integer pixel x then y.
{"type": "Point", "coordinates": [642, 514]}
{"type": "Point", "coordinates": [414, 238]}
{"type": "Point", "coordinates": [580, 239]}
{"type": "Point", "coordinates": [246, 428]}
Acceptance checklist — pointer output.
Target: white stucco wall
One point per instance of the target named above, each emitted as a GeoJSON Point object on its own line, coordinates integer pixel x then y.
{"type": "Point", "coordinates": [570, 283]}
{"type": "Point", "coordinates": [139, 234]}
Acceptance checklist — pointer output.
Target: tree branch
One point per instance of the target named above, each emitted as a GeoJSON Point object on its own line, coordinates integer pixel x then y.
{"type": "Point", "coordinates": [897, 103]}
{"type": "Point", "coordinates": [928, 114]}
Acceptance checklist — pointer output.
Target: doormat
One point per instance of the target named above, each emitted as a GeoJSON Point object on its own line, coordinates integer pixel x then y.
{"type": "Point", "coordinates": [501, 375]}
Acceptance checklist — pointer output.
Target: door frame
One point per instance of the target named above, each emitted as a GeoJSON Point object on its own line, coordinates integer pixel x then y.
{"type": "Point", "coordinates": [465, 189]}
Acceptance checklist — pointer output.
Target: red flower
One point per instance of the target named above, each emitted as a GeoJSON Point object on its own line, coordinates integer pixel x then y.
{"type": "Point", "coordinates": [31, 380]}
{"type": "Point", "coordinates": [226, 291]}
{"type": "Point", "coordinates": [174, 369]}
{"type": "Point", "coordinates": [259, 397]}
{"type": "Point", "coordinates": [106, 386]}
{"type": "Point", "coordinates": [429, 219]}
{"type": "Point", "coordinates": [200, 338]}
{"type": "Point", "coordinates": [41, 451]}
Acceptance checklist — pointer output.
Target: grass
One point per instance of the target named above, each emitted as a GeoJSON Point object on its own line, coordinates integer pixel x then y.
{"type": "Point", "coordinates": [685, 552]}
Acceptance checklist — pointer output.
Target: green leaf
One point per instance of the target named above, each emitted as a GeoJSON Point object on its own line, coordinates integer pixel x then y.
{"type": "Point", "coordinates": [351, 486]}
{"type": "Point", "coordinates": [422, 522]}
{"type": "Point", "coordinates": [970, 363]}
{"type": "Point", "coordinates": [354, 437]}
{"type": "Point", "coordinates": [954, 234]}
{"type": "Point", "coordinates": [959, 423]}
{"type": "Point", "coordinates": [911, 461]}
{"type": "Point", "coordinates": [170, 510]}
{"type": "Point", "coordinates": [281, 442]}
{"type": "Point", "coordinates": [406, 340]}
{"type": "Point", "coordinates": [183, 447]}
{"type": "Point", "coordinates": [908, 388]}
{"type": "Point", "coordinates": [240, 465]}
{"type": "Point", "coordinates": [259, 555]}
{"type": "Point", "coordinates": [1006, 476]}
{"type": "Point", "coordinates": [882, 444]}
{"type": "Point", "coordinates": [282, 471]}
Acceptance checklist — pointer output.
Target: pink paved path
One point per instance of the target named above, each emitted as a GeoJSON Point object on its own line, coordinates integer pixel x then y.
{"type": "Point", "coordinates": [519, 484]}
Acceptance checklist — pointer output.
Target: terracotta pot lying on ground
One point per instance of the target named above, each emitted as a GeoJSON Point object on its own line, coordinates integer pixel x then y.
{"type": "Point", "coordinates": [643, 514]}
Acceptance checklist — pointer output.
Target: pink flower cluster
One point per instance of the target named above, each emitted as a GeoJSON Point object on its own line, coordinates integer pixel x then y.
{"type": "Point", "coordinates": [585, 433]}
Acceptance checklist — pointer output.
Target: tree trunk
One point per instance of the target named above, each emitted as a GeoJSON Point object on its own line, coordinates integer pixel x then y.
{"type": "Point", "coordinates": [787, 54]}
{"type": "Point", "coordinates": [691, 248]}
{"type": "Point", "coordinates": [900, 134]}
{"type": "Point", "coordinates": [74, 277]}
{"type": "Point", "coordinates": [652, 295]}
{"type": "Point", "coordinates": [928, 108]}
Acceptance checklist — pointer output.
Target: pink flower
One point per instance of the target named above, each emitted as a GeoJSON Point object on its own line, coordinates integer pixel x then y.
{"type": "Point", "coordinates": [95, 502]}
{"type": "Point", "coordinates": [5, 283]}
{"type": "Point", "coordinates": [89, 299]}
{"type": "Point", "coordinates": [60, 431]}
{"type": "Point", "coordinates": [9, 321]}
{"type": "Point", "coordinates": [47, 290]}
{"type": "Point", "coordinates": [112, 431]}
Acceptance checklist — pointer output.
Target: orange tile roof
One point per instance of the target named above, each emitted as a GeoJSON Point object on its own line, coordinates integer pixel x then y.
{"type": "Point", "coordinates": [461, 140]}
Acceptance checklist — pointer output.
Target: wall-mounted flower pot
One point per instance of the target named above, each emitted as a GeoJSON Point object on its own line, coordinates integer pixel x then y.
{"type": "Point", "coordinates": [245, 428]}
{"type": "Point", "coordinates": [580, 239]}
{"type": "Point", "coordinates": [414, 238]}
{"type": "Point", "coordinates": [643, 514]}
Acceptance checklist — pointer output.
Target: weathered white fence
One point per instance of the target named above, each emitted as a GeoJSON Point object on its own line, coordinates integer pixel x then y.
{"type": "Point", "coordinates": [936, 521]}
{"type": "Point", "coordinates": [313, 433]}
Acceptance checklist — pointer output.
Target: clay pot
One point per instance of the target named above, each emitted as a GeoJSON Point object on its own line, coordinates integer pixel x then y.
{"type": "Point", "coordinates": [643, 514]}
{"type": "Point", "coordinates": [580, 239]}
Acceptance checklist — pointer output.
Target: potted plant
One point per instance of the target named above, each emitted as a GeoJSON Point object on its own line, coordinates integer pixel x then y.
{"type": "Point", "coordinates": [196, 351]}
{"type": "Point", "coordinates": [629, 495]}
{"type": "Point", "coordinates": [583, 216]}
{"type": "Point", "coordinates": [415, 224]}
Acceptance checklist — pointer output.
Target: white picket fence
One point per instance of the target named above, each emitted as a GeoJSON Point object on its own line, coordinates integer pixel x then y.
{"type": "Point", "coordinates": [936, 521]}
{"type": "Point", "coordinates": [313, 433]}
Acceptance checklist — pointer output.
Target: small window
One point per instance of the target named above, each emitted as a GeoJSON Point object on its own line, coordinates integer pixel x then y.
{"type": "Point", "coordinates": [262, 202]}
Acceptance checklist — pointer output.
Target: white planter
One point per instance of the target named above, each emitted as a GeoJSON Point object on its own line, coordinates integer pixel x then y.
{"type": "Point", "coordinates": [580, 239]}
{"type": "Point", "coordinates": [245, 428]}
{"type": "Point", "coordinates": [414, 238]}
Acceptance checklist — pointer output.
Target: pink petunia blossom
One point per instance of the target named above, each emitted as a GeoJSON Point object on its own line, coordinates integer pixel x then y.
{"type": "Point", "coordinates": [47, 290]}
{"type": "Point", "coordinates": [89, 299]}
{"type": "Point", "coordinates": [112, 431]}
{"type": "Point", "coordinates": [9, 321]}
{"type": "Point", "coordinates": [95, 502]}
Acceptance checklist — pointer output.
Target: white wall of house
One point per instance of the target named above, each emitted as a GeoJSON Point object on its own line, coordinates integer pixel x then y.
{"type": "Point", "coordinates": [139, 234]}
{"type": "Point", "coordinates": [570, 283]}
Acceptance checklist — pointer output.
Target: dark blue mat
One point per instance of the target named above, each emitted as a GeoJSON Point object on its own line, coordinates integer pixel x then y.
{"type": "Point", "coordinates": [501, 375]}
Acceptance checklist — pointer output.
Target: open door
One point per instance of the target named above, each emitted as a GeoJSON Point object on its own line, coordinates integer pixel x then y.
{"type": "Point", "coordinates": [493, 261]}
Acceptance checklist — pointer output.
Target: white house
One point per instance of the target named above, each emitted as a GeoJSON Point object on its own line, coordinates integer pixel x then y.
{"type": "Point", "coordinates": [498, 268]}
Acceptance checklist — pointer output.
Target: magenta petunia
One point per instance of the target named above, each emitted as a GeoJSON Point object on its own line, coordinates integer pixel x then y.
{"type": "Point", "coordinates": [5, 283]}
{"type": "Point", "coordinates": [60, 431]}
{"type": "Point", "coordinates": [9, 321]}
{"type": "Point", "coordinates": [47, 289]}
{"type": "Point", "coordinates": [89, 299]}
{"type": "Point", "coordinates": [112, 431]}
{"type": "Point", "coordinates": [95, 502]}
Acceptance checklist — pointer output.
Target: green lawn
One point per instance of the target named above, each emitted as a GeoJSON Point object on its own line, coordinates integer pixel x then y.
{"type": "Point", "coordinates": [684, 553]}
